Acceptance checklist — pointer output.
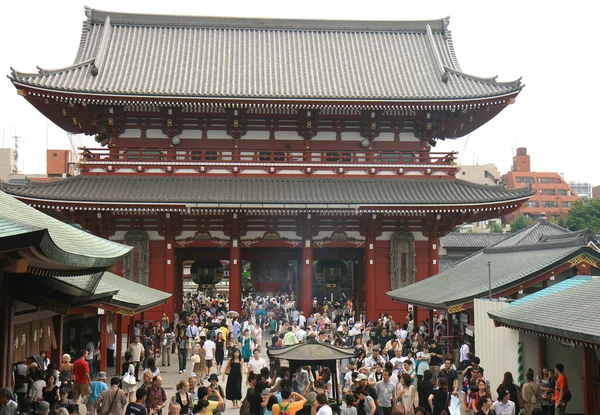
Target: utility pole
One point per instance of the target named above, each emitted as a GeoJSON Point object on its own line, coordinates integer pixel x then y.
{"type": "Point", "coordinates": [489, 266]}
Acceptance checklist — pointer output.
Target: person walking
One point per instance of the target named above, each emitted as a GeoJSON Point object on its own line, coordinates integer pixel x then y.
{"type": "Point", "coordinates": [210, 348]}
{"type": "Point", "coordinates": [113, 400]}
{"type": "Point", "coordinates": [182, 349]}
{"type": "Point", "coordinates": [532, 395]}
{"type": "Point", "coordinates": [156, 398]}
{"type": "Point", "coordinates": [219, 351]}
{"type": "Point", "coordinates": [81, 375]}
{"type": "Point", "coordinates": [136, 350]}
{"type": "Point", "coordinates": [96, 388]}
{"type": "Point", "coordinates": [233, 388]}
{"type": "Point", "coordinates": [166, 346]}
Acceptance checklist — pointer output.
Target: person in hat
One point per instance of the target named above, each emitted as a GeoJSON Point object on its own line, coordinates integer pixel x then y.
{"type": "Point", "coordinates": [96, 388]}
{"type": "Point", "coordinates": [213, 388]}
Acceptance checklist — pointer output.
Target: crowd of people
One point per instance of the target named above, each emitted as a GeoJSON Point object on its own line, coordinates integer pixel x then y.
{"type": "Point", "coordinates": [399, 368]}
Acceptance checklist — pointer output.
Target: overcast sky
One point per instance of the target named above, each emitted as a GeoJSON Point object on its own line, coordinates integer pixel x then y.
{"type": "Point", "coordinates": [554, 49]}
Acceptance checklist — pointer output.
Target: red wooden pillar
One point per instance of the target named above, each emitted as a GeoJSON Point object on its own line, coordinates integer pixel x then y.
{"type": "Point", "coordinates": [5, 323]}
{"type": "Point", "coordinates": [168, 283]}
{"type": "Point", "coordinates": [103, 341]}
{"type": "Point", "coordinates": [119, 348]}
{"type": "Point", "coordinates": [235, 267]}
{"type": "Point", "coordinates": [589, 362]}
{"type": "Point", "coordinates": [306, 268]}
{"type": "Point", "coordinates": [307, 278]}
{"type": "Point", "coordinates": [57, 323]}
{"type": "Point", "coordinates": [131, 330]}
{"type": "Point", "coordinates": [370, 270]}
{"type": "Point", "coordinates": [542, 352]}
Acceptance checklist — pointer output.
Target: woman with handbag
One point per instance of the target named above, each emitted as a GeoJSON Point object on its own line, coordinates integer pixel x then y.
{"type": "Point", "coordinates": [233, 388]}
{"type": "Point", "coordinates": [128, 381]}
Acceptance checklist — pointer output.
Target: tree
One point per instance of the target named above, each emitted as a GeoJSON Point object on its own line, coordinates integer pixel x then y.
{"type": "Point", "coordinates": [584, 215]}
{"type": "Point", "coordinates": [520, 223]}
{"type": "Point", "coordinates": [495, 227]}
{"type": "Point", "coordinates": [559, 222]}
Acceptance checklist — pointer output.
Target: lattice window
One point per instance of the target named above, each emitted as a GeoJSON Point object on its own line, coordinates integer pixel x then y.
{"type": "Point", "coordinates": [402, 260]}
{"type": "Point", "coordinates": [136, 265]}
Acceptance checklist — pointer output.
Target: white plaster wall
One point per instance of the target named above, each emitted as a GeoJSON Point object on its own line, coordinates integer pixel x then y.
{"type": "Point", "coordinates": [287, 135]}
{"type": "Point", "coordinates": [326, 136]}
{"type": "Point", "coordinates": [408, 137]}
{"type": "Point", "coordinates": [131, 133]}
{"type": "Point", "coordinates": [351, 137]}
{"type": "Point", "coordinates": [385, 137]}
{"type": "Point", "coordinates": [154, 133]}
{"type": "Point", "coordinates": [495, 346]}
{"type": "Point", "coordinates": [531, 351]}
{"type": "Point", "coordinates": [215, 134]}
{"type": "Point", "coordinates": [195, 134]}
{"type": "Point", "coordinates": [572, 358]}
{"type": "Point", "coordinates": [120, 235]}
{"type": "Point", "coordinates": [256, 135]}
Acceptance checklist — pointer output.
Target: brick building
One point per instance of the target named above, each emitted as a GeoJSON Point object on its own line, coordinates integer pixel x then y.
{"type": "Point", "coordinates": [553, 195]}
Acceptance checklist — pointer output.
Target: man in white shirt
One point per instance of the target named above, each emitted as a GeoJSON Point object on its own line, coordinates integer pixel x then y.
{"type": "Point", "coordinates": [464, 351]}
{"type": "Point", "coordinates": [503, 406]}
{"type": "Point", "coordinates": [256, 363]}
{"type": "Point", "coordinates": [301, 334]}
{"type": "Point", "coordinates": [210, 347]}
{"type": "Point", "coordinates": [302, 320]}
{"type": "Point", "coordinates": [373, 360]}
{"type": "Point", "coordinates": [295, 315]}
{"type": "Point", "coordinates": [321, 406]}
{"type": "Point", "coordinates": [397, 361]}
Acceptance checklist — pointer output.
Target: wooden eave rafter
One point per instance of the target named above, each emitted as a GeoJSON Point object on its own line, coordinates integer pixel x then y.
{"type": "Point", "coordinates": [179, 101]}
{"type": "Point", "coordinates": [491, 209]}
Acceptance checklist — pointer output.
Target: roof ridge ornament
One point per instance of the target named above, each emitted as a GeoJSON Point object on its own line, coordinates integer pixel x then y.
{"type": "Point", "coordinates": [436, 55]}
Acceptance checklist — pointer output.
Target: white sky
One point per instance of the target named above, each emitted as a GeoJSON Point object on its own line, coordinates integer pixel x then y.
{"type": "Point", "coordinates": [551, 45]}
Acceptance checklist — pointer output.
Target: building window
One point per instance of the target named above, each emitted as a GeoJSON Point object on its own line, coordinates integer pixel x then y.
{"type": "Point", "coordinates": [533, 204]}
{"type": "Point", "coordinates": [524, 179]}
{"type": "Point", "coordinates": [566, 204]}
{"type": "Point", "coordinates": [564, 192]}
{"type": "Point", "coordinates": [549, 180]}
{"type": "Point", "coordinates": [54, 155]}
{"type": "Point", "coordinates": [402, 260]}
{"type": "Point", "coordinates": [548, 192]}
{"type": "Point", "coordinates": [549, 204]}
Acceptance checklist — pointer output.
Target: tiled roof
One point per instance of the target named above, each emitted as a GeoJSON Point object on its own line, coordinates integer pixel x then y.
{"type": "Point", "coordinates": [60, 241]}
{"type": "Point", "coordinates": [121, 291]}
{"type": "Point", "coordinates": [446, 262]}
{"type": "Point", "coordinates": [256, 191]}
{"type": "Point", "coordinates": [183, 56]}
{"type": "Point", "coordinates": [510, 265]}
{"type": "Point", "coordinates": [471, 240]}
{"type": "Point", "coordinates": [130, 294]}
{"type": "Point", "coordinates": [533, 234]}
{"type": "Point", "coordinates": [575, 300]}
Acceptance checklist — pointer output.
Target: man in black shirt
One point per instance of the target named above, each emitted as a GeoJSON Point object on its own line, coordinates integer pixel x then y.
{"type": "Point", "coordinates": [435, 351]}
{"type": "Point", "coordinates": [383, 338]}
{"type": "Point", "coordinates": [450, 374]}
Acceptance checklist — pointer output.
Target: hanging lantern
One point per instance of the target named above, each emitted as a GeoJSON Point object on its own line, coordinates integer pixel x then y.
{"type": "Point", "coordinates": [270, 276]}
{"type": "Point", "coordinates": [331, 273]}
{"type": "Point", "coordinates": [206, 272]}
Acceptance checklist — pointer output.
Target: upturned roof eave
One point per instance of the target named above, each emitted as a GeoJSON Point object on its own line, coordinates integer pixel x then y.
{"type": "Point", "coordinates": [266, 100]}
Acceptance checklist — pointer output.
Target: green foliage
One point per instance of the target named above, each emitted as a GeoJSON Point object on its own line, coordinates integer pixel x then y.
{"type": "Point", "coordinates": [495, 227]}
{"type": "Point", "coordinates": [584, 215]}
{"type": "Point", "coordinates": [520, 223]}
{"type": "Point", "coordinates": [560, 222]}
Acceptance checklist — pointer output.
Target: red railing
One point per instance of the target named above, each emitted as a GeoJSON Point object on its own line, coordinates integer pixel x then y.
{"type": "Point", "coordinates": [214, 156]}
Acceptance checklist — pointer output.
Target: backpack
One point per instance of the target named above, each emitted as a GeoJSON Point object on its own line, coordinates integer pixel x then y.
{"type": "Point", "coordinates": [282, 410]}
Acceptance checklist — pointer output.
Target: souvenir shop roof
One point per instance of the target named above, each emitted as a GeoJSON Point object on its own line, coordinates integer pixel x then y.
{"type": "Point", "coordinates": [511, 266]}
{"type": "Point", "coordinates": [576, 302]}
{"type": "Point", "coordinates": [141, 55]}
{"type": "Point", "coordinates": [63, 245]}
{"type": "Point", "coordinates": [258, 192]}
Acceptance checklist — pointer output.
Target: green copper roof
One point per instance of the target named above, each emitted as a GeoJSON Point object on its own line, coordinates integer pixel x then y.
{"type": "Point", "coordinates": [58, 241]}
{"type": "Point", "coordinates": [130, 294]}
{"type": "Point", "coordinates": [575, 302]}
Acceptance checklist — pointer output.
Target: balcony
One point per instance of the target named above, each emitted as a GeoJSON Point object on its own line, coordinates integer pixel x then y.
{"type": "Point", "coordinates": [257, 162]}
